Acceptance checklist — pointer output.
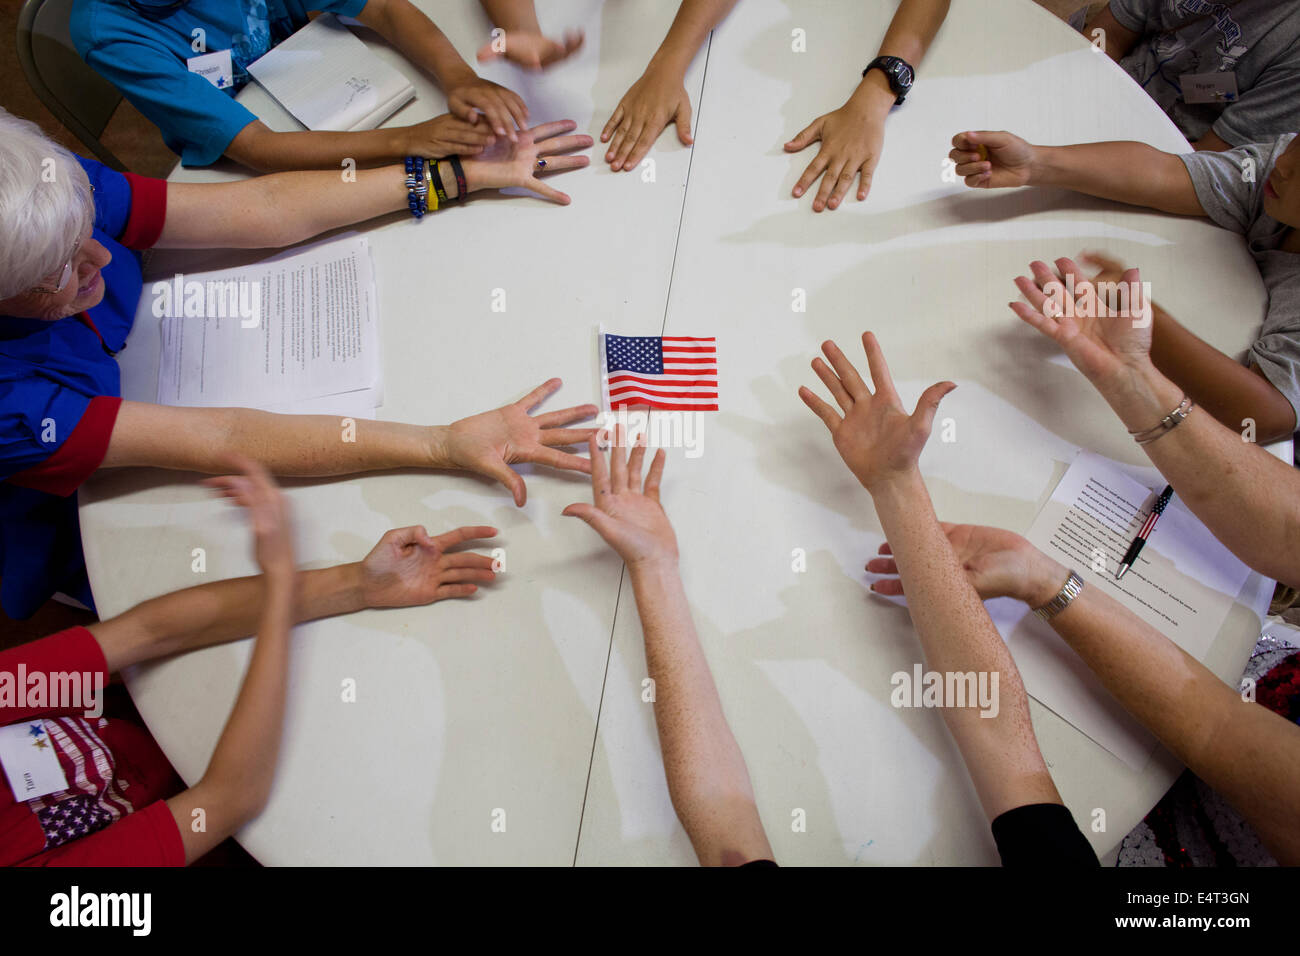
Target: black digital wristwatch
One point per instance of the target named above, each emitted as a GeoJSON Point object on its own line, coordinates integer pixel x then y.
{"type": "Point", "coordinates": [898, 70]}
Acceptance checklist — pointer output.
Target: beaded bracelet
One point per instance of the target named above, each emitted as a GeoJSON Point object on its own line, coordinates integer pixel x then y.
{"type": "Point", "coordinates": [1146, 436]}
{"type": "Point", "coordinates": [417, 191]}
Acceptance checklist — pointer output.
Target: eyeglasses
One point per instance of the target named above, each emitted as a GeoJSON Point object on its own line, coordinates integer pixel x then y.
{"type": "Point", "coordinates": [65, 274]}
{"type": "Point", "coordinates": [64, 278]}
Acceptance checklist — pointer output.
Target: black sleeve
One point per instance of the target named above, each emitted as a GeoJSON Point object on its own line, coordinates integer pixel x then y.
{"type": "Point", "coordinates": [761, 863]}
{"type": "Point", "coordinates": [1042, 835]}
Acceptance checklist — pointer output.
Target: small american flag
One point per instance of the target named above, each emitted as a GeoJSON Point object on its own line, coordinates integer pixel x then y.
{"type": "Point", "coordinates": [676, 372]}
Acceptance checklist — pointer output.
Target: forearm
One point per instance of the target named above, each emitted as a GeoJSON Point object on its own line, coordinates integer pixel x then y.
{"type": "Point", "coordinates": [279, 209]}
{"type": "Point", "coordinates": [1244, 751]}
{"type": "Point", "coordinates": [205, 439]}
{"type": "Point", "coordinates": [219, 612]}
{"type": "Point", "coordinates": [418, 38]}
{"type": "Point", "coordinates": [261, 148]}
{"type": "Point", "coordinates": [243, 763]}
{"type": "Point", "coordinates": [1248, 499]}
{"type": "Point", "coordinates": [913, 29]}
{"type": "Point", "coordinates": [1223, 387]}
{"type": "Point", "coordinates": [694, 20]}
{"type": "Point", "coordinates": [1119, 39]}
{"type": "Point", "coordinates": [1126, 172]}
{"type": "Point", "coordinates": [909, 36]}
{"type": "Point", "coordinates": [707, 777]}
{"type": "Point", "coordinates": [957, 637]}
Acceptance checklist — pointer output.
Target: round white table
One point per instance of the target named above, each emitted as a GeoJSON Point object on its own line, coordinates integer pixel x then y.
{"type": "Point", "coordinates": [525, 703]}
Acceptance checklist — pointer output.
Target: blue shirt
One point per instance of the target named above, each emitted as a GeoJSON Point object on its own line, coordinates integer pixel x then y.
{"type": "Point", "coordinates": [60, 389]}
{"type": "Point", "coordinates": [145, 58]}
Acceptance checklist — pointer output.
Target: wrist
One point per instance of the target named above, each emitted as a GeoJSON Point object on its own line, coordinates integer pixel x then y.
{"type": "Point", "coordinates": [1044, 580]}
{"type": "Point", "coordinates": [438, 445]}
{"type": "Point", "coordinates": [1043, 170]}
{"type": "Point", "coordinates": [873, 95]}
{"type": "Point", "coordinates": [897, 489]}
{"type": "Point", "coordinates": [1139, 394]}
{"type": "Point", "coordinates": [653, 569]}
{"type": "Point", "coordinates": [473, 169]}
{"type": "Point", "coordinates": [668, 64]}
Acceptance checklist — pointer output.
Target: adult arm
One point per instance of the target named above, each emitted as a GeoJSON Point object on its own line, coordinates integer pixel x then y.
{"type": "Point", "coordinates": [1234, 394]}
{"type": "Point", "coordinates": [881, 443]}
{"type": "Point", "coordinates": [284, 208]}
{"type": "Point", "coordinates": [1248, 499]}
{"type": "Point", "coordinates": [707, 778]}
{"type": "Point", "coordinates": [205, 439]}
{"type": "Point", "coordinates": [1244, 751]}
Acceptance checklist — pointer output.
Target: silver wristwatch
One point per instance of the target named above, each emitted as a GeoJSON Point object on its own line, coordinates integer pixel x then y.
{"type": "Point", "coordinates": [1069, 591]}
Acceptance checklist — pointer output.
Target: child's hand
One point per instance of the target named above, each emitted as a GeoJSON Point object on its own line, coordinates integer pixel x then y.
{"type": "Point", "coordinates": [991, 160]}
{"type": "Point", "coordinates": [852, 138]}
{"type": "Point", "coordinates": [444, 135]}
{"type": "Point", "coordinates": [532, 51]}
{"type": "Point", "coordinates": [654, 101]}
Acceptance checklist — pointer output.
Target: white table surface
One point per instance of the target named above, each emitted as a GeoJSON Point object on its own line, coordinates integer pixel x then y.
{"type": "Point", "coordinates": [527, 698]}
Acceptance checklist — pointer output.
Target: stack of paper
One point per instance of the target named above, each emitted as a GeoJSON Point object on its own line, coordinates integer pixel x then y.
{"type": "Point", "coordinates": [328, 80]}
{"type": "Point", "coordinates": [295, 333]}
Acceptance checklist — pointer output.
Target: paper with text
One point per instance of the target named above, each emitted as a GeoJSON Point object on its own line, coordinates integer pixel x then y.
{"type": "Point", "coordinates": [315, 337]}
{"type": "Point", "coordinates": [1183, 584]}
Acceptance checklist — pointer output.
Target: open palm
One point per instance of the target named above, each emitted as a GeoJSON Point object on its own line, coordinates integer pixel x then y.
{"type": "Point", "coordinates": [1102, 341]}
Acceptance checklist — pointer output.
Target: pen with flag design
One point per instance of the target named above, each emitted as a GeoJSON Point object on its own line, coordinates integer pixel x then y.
{"type": "Point", "coordinates": [1148, 526]}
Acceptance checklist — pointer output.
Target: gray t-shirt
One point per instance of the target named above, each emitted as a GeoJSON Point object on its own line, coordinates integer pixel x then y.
{"type": "Point", "coordinates": [1237, 204]}
{"type": "Point", "coordinates": [1259, 40]}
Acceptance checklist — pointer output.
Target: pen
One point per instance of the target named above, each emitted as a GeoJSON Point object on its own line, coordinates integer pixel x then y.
{"type": "Point", "coordinates": [1148, 526]}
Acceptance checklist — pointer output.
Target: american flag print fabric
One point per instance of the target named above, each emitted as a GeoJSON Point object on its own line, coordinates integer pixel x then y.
{"type": "Point", "coordinates": [671, 372]}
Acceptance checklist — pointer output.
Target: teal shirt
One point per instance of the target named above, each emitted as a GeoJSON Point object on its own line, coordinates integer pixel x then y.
{"type": "Point", "coordinates": [145, 57]}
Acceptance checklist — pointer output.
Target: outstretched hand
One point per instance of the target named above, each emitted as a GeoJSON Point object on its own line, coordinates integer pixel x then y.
{"type": "Point", "coordinates": [875, 436]}
{"type": "Point", "coordinates": [998, 563]}
{"type": "Point", "coordinates": [490, 442]}
{"type": "Point", "coordinates": [523, 161]}
{"type": "Point", "coordinates": [408, 568]}
{"type": "Point", "coordinates": [625, 511]}
{"type": "Point", "coordinates": [1102, 325]}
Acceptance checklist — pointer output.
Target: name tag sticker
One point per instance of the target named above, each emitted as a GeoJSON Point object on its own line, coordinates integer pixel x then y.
{"type": "Point", "coordinates": [1209, 87]}
{"type": "Point", "coordinates": [30, 761]}
{"type": "Point", "coordinates": [214, 67]}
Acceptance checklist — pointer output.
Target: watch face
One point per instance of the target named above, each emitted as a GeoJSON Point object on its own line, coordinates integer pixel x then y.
{"type": "Point", "coordinates": [903, 73]}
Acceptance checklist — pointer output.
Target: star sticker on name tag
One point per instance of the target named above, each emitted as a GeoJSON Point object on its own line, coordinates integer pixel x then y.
{"type": "Point", "coordinates": [41, 744]}
{"type": "Point", "coordinates": [36, 730]}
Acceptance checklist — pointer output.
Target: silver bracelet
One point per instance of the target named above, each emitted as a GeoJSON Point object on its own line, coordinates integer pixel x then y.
{"type": "Point", "coordinates": [1064, 597]}
{"type": "Point", "coordinates": [1167, 424]}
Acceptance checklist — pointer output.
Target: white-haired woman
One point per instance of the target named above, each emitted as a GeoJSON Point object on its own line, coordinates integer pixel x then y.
{"type": "Point", "coordinates": [69, 283]}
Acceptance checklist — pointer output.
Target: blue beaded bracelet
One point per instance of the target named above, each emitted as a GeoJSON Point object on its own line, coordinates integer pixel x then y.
{"type": "Point", "coordinates": [417, 187]}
